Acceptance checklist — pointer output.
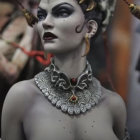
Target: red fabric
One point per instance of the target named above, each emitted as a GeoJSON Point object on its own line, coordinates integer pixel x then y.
{"type": "Point", "coordinates": [38, 55]}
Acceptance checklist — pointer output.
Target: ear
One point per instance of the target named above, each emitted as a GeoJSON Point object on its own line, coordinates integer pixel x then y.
{"type": "Point", "coordinates": [92, 28]}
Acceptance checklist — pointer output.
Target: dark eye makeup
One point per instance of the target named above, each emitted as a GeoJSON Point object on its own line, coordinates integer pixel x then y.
{"type": "Point", "coordinates": [61, 10]}
{"type": "Point", "coordinates": [41, 14]}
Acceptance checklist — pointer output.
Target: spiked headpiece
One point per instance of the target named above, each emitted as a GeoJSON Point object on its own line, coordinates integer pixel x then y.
{"type": "Point", "coordinates": [105, 6]}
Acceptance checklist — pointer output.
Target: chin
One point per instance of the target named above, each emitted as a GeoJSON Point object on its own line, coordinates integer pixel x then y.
{"type": "Point", "coordinates": [51, 48]}
{"type": "Point", "coordinates": [55, 50]}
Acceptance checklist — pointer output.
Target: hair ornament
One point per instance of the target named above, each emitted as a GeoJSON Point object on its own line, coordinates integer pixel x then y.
{"type": "Point", "coordinates": [91, 4]}
{"type": "Point", "coordinates": [134, 9]}
{"type": "Point", "coordinates": [30, 18]}
{"type": "Point", "coordinates": [81, 1]}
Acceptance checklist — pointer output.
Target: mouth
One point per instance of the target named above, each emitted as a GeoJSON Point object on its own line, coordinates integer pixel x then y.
{"type": "Point", "coordinates": [48, 36]}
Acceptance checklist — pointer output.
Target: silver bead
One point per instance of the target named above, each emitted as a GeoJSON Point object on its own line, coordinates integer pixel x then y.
{"type": "Point", "coordinates": [76, 110]}
{"type": "Point", "coordinates": [88, 106]}
{"type": "Point", "coordinates": [64, 108]}
{"type": "Point", "coordinates": [54, 101]}
{"type": "Point", "coordinates": [50, 97]}
{"type": "Point", "coordinates": [70, 110]}
{"type": "Point", "coordinates": [58, 104]}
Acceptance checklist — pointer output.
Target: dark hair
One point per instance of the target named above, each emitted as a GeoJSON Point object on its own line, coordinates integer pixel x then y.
{"type": "Point", "coordinates": [95, 14]}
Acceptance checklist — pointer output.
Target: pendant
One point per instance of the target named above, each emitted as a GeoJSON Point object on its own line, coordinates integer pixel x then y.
{"type": "Point", "coordinates": [73, 96]}
{"type": "Point", "coordinates": [73, 99]}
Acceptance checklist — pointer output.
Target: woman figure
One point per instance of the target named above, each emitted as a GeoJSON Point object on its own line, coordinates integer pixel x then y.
{"type": "Point", "coordinates": [65, 101]}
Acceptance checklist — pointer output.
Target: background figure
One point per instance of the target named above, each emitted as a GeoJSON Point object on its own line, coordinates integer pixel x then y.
{"type": "Point", "coordinates": [120, 39]}
{"type": "Point", "coordinates": [134, 85]}
{"type": "Point", "coordinates": [14, 64]}
{"type": "Point", "coordinates": [138, 68]}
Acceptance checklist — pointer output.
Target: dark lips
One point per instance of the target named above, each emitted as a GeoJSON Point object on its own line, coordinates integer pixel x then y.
{"type": "Point", "coordinates": [49, 36]}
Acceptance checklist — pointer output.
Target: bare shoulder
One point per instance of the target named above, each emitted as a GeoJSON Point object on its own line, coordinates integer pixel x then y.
{"type": "Point", "coordinates": [117, 108]}
{"type": "Point", "coordinates": [19, 97]}
{"type": "Point", "coordinates": [114, 101]}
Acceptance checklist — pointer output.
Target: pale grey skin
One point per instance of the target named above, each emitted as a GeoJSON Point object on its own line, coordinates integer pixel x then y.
{"type": "Point", "coordinates": [28, 115]}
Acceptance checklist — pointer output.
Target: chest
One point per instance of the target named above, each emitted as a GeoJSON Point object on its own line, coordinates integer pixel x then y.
{"type": "Point", "coordinates": [45, 122]}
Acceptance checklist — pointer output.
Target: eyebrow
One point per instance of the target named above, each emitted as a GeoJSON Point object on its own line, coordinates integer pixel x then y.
{"type": "Point", "coordinates": [39, 8]}
{"type": "Point", "coordinates": [56, 7]}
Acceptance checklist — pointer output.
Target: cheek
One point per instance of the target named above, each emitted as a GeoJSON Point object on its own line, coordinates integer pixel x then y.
{"type": "Point", "coordinates": [39, 28]}
{"type": "Point", "coordinates": [68, 26]}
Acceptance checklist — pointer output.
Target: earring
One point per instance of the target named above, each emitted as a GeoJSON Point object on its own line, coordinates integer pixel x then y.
{"type": "Point", "coordinates": [87, 45]}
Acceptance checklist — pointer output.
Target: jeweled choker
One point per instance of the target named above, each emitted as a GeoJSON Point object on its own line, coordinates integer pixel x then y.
{"type": "Point", "coordinates": [73, 96]}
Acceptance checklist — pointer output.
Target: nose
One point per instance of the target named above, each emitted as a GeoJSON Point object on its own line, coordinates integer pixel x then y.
{"type": "Point", "coordinates": [48, 22]}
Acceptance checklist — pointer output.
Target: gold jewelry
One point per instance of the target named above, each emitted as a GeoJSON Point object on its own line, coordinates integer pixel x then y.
{"type": "Point", "coordinates": [134, 9]}
{"type": "Point", "coordinates": [81, 1]}
{"type": "Point", "coordinates": [30, 18]}
{"type": "Point", "coordinates": [91, 5]}
{"type": "Point", "coordinates": [87, 45]}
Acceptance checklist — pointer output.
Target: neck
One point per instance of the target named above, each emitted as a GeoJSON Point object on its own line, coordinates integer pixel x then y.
{"type": "Point", "coordinates": [71, 63]}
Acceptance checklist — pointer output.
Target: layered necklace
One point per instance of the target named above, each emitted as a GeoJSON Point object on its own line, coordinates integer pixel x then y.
{"type": "Point", "coordinates": [73, 96]}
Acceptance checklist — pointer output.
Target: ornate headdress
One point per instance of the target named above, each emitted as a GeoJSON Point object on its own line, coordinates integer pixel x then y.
{"type": "Point", "coordinates": [106, 7]}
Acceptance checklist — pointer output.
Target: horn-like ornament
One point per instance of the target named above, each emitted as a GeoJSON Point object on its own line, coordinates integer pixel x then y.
{"type": "Point", "coordinates": [30, 18]}
{"type": "Point", "coordinates": [134, 9]}
{"type": "Point", "coordinates": [91, 6]}
{"type": "Point", "coordinates": [81, 1]}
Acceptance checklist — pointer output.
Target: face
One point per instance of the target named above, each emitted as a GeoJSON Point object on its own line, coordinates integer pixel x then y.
{"type": "Point", "coordinates": [58, 20]}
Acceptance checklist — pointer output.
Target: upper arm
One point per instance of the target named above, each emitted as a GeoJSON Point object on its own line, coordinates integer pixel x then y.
{"type": "Point", "coordinates": [118, 110]}
{"type": "Point", "coordinates": [12, 113]}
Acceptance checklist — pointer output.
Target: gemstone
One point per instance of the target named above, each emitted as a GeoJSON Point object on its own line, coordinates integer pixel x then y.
{"type": "Point", "coordinates": [73, 99]}
{"type": "Point", "coordinates": [73, 81]}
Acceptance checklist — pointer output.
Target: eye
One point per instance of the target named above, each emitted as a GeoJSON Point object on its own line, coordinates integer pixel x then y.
{"type": "Point", "coordinates": [63, 12]}
{"type": "Point", "coordinates": [41, 15]}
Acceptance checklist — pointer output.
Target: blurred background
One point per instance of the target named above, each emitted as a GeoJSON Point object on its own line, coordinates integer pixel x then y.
{"type": "Point", "coordinates": [123, 49]}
